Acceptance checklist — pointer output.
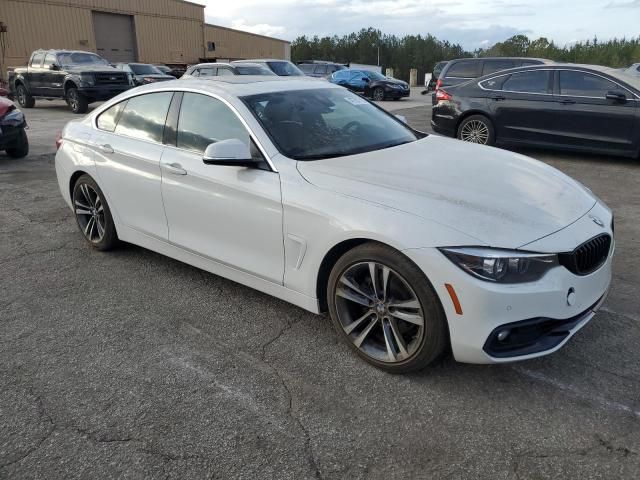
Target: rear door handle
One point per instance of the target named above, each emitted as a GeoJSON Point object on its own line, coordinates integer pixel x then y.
{"type": "Point", "coordinates": [105, 148]}
{"type": "Point", "coordinates": [498, 98]}
{"type": "Point", "coordinates": [174, 168]}
{"type": "Point", "coordinates": [567, 101]}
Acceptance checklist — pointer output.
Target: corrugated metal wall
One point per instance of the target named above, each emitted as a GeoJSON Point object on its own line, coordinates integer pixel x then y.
{"type": "Point", "coordinates": [233, 44]}
{"type": "Point", "coordinates": [167, 31]}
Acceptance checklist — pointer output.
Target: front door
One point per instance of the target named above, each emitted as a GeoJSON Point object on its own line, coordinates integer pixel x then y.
{"type": "Point", "coordinates": [585, 117]}
{"type": "Point", "coordinates": [232, 215]}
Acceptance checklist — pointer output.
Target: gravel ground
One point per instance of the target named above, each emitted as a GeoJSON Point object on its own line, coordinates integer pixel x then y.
{"type": "Point", "coordinates": [132, 365]}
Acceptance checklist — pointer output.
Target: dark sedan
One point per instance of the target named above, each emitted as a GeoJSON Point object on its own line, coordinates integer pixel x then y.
{"type": "Point", "coordinates": [371, 84]}
{"type": "Point", "coordinates": [575, 107]}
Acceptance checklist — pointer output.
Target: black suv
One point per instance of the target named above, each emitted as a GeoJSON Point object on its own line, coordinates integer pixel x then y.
{"type": "Point", "coordinates": [78, 77]}
{"type": "Point", "coordinates": [319, 69]}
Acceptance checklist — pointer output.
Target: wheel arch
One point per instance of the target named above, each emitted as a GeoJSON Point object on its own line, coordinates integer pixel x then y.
{"type": "Point", "coordinates": [74, 178]}
{"type": "Point", "coordinates": [69, 83]}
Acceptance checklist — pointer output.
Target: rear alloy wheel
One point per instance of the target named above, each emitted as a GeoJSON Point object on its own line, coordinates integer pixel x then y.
{"type": "Point", "coordinates": [477, 129]}
{"type": "Point", "coordinates": [93, 214]}
{"type": "Point", "coordinates": [24, 97]}
{"type": "Point", "coordinates": [385, 309]}
{"type": "Point", "coordinates": [20, 147]}
{"type": "Point", "coordinates": [77, 101]}
{"type": "Point", "coordinates": [378, 94]}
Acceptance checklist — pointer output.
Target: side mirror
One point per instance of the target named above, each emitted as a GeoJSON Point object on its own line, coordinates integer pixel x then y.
{"type": "Point", "coordinates": [616, 96]}
{"type": "Point", "coordinates": [366, 79]}
{"type": "Point", "coordinates": [53, 66]}
{"type": "Point", "coordinates": [231, 153]}
{"type": "Point", "coordinates": [402, 118]}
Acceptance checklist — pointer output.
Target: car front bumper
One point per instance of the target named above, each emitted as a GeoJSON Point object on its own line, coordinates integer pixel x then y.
{"type": "Point", "coordinates": [540, 311]}
{"type": "Point", "coordinates": [103, 92]}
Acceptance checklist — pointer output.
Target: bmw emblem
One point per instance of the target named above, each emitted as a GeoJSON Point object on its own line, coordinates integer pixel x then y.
{"type": "Point", "coordinates": [596, 220]}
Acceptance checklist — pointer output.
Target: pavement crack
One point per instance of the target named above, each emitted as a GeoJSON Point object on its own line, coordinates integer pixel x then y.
{"type": "Point", "coordinates": [290, 411]}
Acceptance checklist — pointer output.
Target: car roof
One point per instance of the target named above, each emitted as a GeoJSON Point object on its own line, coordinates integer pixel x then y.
{"type": "Point", "coordinates": [260, 60]}
{"type": "Point", "coordinates": [479, 59]}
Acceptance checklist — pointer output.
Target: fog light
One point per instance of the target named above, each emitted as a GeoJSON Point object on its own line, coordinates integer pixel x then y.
{"type": "Point", "coordinates": [502, 335]}
{"type": "Point", "coordinates": [571, 297]}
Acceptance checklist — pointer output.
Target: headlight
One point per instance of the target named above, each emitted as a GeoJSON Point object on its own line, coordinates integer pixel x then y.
{"type": "Point", "coordinates": [87, 79]}
{"type": "Point", "coordinates": [503, 266]}
{"type": "Point", "coordinates": [149, 79]}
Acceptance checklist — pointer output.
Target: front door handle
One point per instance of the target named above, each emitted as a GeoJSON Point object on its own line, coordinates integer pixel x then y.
{"type": "Point", "coordinates": [105, 148]}
{"type": "Point", "coordinates": [174, 168]}
{"type": "Point", "coordinates": [498, 98]}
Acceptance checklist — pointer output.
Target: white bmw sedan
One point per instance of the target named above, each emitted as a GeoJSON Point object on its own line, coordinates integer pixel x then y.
{"type": "Point", "coordinates": [415, 244]}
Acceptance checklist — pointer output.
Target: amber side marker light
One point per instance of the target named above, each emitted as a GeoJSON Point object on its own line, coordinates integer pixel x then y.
{"type": "Point", "coordinates": [454, 298]}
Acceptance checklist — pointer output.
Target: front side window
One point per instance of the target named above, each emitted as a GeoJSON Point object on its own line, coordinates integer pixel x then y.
{"type": "Point", "coordinates": [144, 116]}
{"type": "Point", "coordinates": [208, 72]}
{"type": "Point", "coordinates": [536, 81]}
{"type": "Point", "coordinates": [285, 69]}
{"type": "Point", "coordinates": [204, 120]}
{"type": "Point", "coordinates": [49, 59]}
{"type": "Point", "coordinates": [583, 84]}
{"type": "Point", "coordinates": [224, 72]}
{"type": "Point", "coordinates": [325, 123]}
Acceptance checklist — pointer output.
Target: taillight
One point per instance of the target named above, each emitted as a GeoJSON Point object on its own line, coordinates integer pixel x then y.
{"type": "Point", "coordinates": [58, 141]}
{"type": "Point", "coordinates": [438, 84]}
{"type": "Point", "coordinates": [442, 96]}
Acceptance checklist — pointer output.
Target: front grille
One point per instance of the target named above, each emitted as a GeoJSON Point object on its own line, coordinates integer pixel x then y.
{"type": "Point", "coordinates": [588, 257]}
{"type": "Point", "coordinates": [115, 78]}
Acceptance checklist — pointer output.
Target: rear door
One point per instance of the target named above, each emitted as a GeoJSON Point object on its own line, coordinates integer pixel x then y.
{"type": "Point", "coordinates": [128, 147]}
{"type": "Point", "coordinates": [36, 74]}
{"type": "Point", "coordinates": [586, 118]}
{"type": "Point", "coordinates": [522, 105]}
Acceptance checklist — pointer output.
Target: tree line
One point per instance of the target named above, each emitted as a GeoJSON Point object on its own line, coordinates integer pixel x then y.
{"type": "Point", "coordinates": [423, 52]}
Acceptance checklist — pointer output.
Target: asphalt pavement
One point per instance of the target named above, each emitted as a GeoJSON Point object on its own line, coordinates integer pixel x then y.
{"type": "Point", "coordinates": [131, 365]}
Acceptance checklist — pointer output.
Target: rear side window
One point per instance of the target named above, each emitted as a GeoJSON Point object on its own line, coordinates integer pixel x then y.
{"type": "Point", "coordinates": [224, 72]}
{"type": "Point", "coordinates": [463, 70]}
{"type": "Point", "coordinates": [208, 72]}
{"type": "Point", "coordinates": [108, 119]}
{"type": "Point", "coordinates": [492, 66]}
{"type": "Point", "coordinates": [36, 61]}
{"type": "Point", "coordinates": [536, 81]}
{"type": "Point", "coordinates": [583, 84]}
{"type": "Point", "coordinates": [320, 69]}
{"type": "Point", "coordinates": [307, 68]}
{"type": "Point", "coordinates": [204, 120]}
{"type": "Point", "coordinates": [144, 116]}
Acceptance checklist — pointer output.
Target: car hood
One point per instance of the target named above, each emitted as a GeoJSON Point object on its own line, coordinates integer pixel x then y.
{"type": "Point", "coordinates": [91, 69]}
{"type": "Point", "coordinates": [156, 76]}
{"type": "Point", "coordinates": [394, 81]}
{"type": "Point", "coordinates": [500, 198]}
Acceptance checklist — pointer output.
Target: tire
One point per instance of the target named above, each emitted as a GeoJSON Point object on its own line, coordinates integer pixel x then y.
{"type": "Point", "coordinates": [20, 148]}
{"type": "Point", "coordinates": [378, 94]}
{"type": "Point", "coordinates": [77, 101]}
{"type": "Point", "coordinates": [25, 100]}
{"type": "Point", "coordinates": [93, 214]}
{"type": "Point", "coordinates": [375, 331]}
{"type": "Point", "coordinates": [477, 129]}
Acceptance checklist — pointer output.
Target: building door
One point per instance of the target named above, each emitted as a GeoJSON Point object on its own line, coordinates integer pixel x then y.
{"type": "Point", "coordinates": [115, 37]}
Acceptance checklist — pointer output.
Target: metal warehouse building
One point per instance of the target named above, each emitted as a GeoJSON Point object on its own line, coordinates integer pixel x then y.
{"type": "Point", "coordinates": [150, 31]}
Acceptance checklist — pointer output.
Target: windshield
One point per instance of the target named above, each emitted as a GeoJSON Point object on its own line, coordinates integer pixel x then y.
{"type": "Point", "coordinates": [253, 70]}
{"type": "Point", "coordinates": [285, 69]}
{"type": "Point", "coordinates": [143, 69]}
{"type": "Point", "coordinates": [325, 123]}
{"type": "Point", "coordinates": [81, 58]}
{"type": "Point", "coordinates": [375, 76]}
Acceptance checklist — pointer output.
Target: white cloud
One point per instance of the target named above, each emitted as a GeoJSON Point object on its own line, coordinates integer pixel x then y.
{"type": "Point", "coordinates": [259, 28]}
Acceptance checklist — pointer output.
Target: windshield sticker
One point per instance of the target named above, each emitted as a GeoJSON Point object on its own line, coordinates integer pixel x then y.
{"type": "Point", "coordinates": [356, 100]}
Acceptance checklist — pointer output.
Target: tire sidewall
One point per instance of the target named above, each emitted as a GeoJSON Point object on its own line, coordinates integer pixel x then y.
{"type": "Point", "coordinates": [489, 124]}
{"type": "Point", "coordinates": [375, 90]}
{"type": "Point", "coordinates": [80, 101]}
{"type": "Point", "coordinates": [110, 238]}
{"type": "Point", "coordinates": [21, 146]}
{"type": "Point", "coordinates": [435, 329]}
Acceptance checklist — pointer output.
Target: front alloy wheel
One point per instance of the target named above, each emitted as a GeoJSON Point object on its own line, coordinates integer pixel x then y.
{"type": "Point", "coordinates": [378, 94]}
{"type": "Point", "coordinates": [384, 307]}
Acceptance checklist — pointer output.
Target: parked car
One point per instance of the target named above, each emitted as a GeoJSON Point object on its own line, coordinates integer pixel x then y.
{"type": "Point", "coordinates": [319, 69]}
{"type": "Point", "coordinates": [78, 77]}
{"type": "Point", "coordinates": [414, 243]}
{"type": "Point", "coordinates": [578, 107]}
{"type": "Point", "coordinates": [226, 69]}
{"type": "Point", "coordinates": [169, 71]}
{"type": "Point", "coordinates": [143, 73]}
{"type": "Point", "coordinates": [282, 68]}
{"type": "Point", "coordinates": [13, 137]}
{"type": "Point", "coordinates": [371, 84]}
{"type": "Point", "coordinates": [437, 69]}
{"type": "Point", "coordinates": [462, 70]}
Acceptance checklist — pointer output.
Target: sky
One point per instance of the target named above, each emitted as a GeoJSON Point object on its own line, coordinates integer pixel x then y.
{"type": "Point", "coordinates": [471, 23]}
